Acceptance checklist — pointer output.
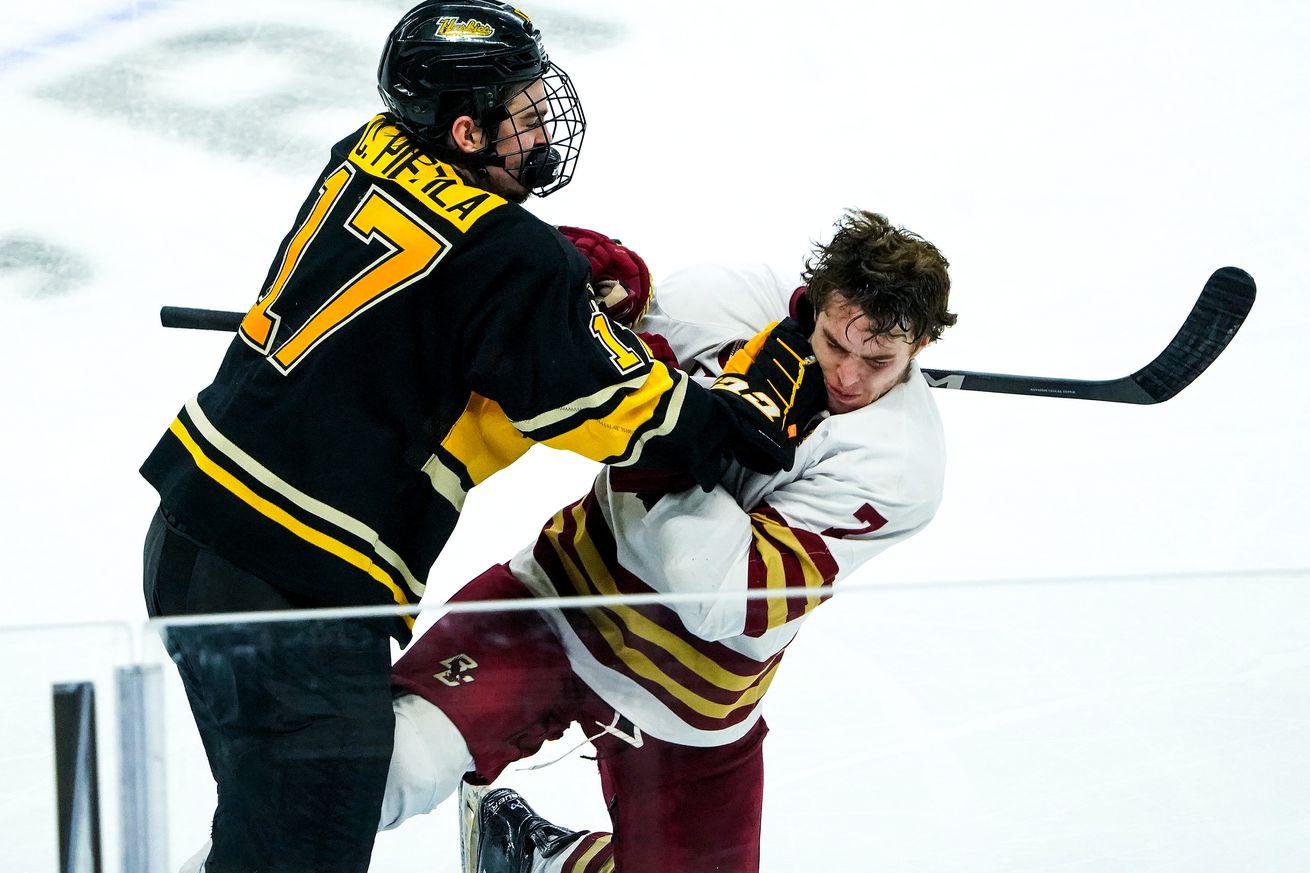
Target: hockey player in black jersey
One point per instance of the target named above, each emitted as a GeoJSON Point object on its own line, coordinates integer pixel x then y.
{"type": "Point", "coordinates": [418, 331]}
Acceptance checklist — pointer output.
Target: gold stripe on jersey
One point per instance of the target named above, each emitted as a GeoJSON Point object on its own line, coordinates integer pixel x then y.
{"type": "Point", "coordinates": [600, 844]}
{"type": "Point", "coordinates": [593, 577]}
{"type": "Point", "coordinates": [671, 417]}
{"type": "Point", "coordinates": [612, 436]}
{"type": "Point", "coordinates": [786, 536]}
{"type": "Point", "coordinates": [275, 513]}
{"type": "Point", "coordinates": [483, 439]}
{"type": "Point", "coordinates": [784, 558]}
{"type": "Point", "coordinates": [596, 572]}
{"type": "Point", "coordinates": [769, 534]}
{"type": "Point", "coordinates": [300, 499]}
{"type": "Point", "coordinates": [578, 406]}
{"type": "Point", "coordinates": [383, 151]}
{"type": "Point", "coordinates": [775, 578]}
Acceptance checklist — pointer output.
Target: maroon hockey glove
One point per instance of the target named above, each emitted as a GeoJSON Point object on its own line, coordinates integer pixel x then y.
{"type": "Point", "coordinates": [801, 309]}
{"type": "Point", "coordinates": [613, 263]}
{"type": "Point", "coordinates": [660, 349]}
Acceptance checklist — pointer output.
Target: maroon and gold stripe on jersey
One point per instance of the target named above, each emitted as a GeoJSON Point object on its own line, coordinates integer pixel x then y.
{"type": "Point", "coordinates": [706, 684]}
{"type": "Point", "coordinates": [594, 853]}
{"type": "Point", "coordinates": [784, 558]}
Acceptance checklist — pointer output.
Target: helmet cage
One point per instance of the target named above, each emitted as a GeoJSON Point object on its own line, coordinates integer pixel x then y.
{"type": "Point", "coordinates": [543, 169]}
{"type": "Point", "coordinates": [453, 58]}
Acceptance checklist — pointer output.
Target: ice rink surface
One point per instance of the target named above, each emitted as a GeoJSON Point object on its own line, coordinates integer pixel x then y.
{"type": "Point", "coordinates": [1091, 661]}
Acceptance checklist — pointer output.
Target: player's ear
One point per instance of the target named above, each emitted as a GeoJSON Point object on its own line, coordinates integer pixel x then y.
{"type": "Point", "coordinates": [466, 134]}
{"type": "Point", "coordinates": [921, 345]}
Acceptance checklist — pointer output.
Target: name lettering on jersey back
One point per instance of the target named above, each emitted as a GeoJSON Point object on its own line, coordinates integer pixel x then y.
{"type": "Point", "coordinates": [385, 152]}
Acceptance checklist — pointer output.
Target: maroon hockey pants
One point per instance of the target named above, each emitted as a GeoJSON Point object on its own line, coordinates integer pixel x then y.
{"type": "Point", "coordinates": [678, 808]}
{"type": "Point", "coordinates": [504, 681]}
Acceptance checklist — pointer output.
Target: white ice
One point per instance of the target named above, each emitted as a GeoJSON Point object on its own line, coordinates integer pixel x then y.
{"type": "Point", "coordinates": [1085, 166]}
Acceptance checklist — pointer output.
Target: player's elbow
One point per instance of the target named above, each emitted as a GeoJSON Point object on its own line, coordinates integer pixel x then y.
{"type": "Point", "coordinates": [712, 622]}
{"type": "Point", "coordinates": [713, 613]}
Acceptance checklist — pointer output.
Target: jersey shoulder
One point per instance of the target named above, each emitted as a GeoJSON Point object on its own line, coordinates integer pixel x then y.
{"type": "Point", "coordinates": [708, 310]}
{"type": "Point", "coordinates": [744, 297]}
{"type": "Point", "coordinates": [526, 252]}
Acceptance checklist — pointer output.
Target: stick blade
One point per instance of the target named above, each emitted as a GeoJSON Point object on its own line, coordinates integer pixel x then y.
{"type": "Point", "coordinates": [1224, 303]}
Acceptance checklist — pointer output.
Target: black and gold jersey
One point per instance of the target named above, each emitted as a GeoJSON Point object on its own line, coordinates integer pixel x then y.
{"type": "Point", "coordinates": [414, 335]}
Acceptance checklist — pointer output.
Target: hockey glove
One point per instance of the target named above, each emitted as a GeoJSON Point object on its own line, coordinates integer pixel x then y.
{"type": "Point", "coordinates": [774, 386]}
{"type": "Point", "coordinates": [619, 274]}
{"type": "Point", "coordinates": [660, 349]}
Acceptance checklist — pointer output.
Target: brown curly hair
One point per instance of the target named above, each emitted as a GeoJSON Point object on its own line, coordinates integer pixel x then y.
{"type": "Point", "coordinates": [896, 277]}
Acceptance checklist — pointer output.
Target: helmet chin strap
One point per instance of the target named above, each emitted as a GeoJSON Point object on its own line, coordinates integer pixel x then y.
{"type": "Point", "coordinates": [540, 165]}
{"type": "Point", "coordinates": [474, 162]}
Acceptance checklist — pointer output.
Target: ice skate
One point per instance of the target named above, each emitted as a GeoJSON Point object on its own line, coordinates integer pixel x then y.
{"type": "Point", "coordinates": [502, 834]}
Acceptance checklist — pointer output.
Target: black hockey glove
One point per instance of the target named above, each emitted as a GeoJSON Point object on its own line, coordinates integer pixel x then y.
{"type": "Point", "coordinates": [773, 386]}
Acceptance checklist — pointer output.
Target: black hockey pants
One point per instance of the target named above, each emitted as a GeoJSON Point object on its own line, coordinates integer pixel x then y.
{"type": "Point", "coordinates": [295, 717]}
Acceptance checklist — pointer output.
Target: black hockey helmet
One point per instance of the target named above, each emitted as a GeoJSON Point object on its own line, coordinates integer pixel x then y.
{"type": "Point", "coordinates": [448, 58]}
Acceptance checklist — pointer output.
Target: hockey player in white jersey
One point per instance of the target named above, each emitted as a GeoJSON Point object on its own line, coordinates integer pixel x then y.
{"type": "Point", "coordinates": [673, 694]}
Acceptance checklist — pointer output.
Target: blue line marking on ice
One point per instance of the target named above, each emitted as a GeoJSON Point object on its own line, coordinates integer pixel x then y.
{"type": "Point", "coordinates": [17, 56]}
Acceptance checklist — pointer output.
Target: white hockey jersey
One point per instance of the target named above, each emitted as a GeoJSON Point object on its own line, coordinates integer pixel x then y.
{"type": "Point", "coordinates": [694, 672]}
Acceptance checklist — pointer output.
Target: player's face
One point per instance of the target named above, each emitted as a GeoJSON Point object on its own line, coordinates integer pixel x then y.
{"type": "Point", "coordinates": [858, 367]}
{"type": "Point", "coordinates": [524, 130]}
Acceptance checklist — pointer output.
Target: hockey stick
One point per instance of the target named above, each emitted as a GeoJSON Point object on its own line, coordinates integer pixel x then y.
{"type": "Point", "coordinates": [1219, 311]}
{"type": "Point", "coordinates": [187, 318]}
